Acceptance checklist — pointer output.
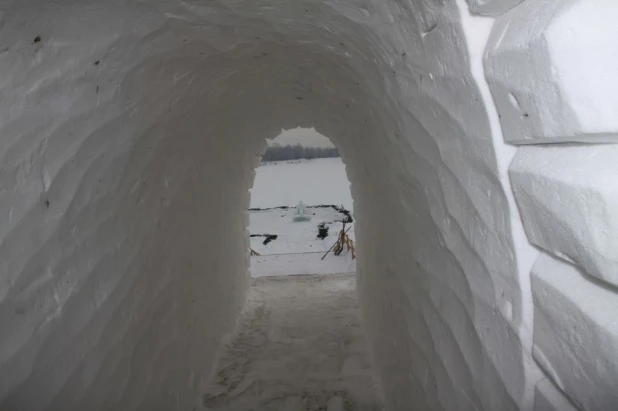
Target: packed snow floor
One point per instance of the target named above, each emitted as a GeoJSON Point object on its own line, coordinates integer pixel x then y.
{"type": "Point", "coordinates": [299, 346]}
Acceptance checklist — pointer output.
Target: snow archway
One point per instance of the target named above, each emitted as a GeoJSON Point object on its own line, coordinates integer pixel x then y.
{"type": "Point", "coordinates": [128, 137]}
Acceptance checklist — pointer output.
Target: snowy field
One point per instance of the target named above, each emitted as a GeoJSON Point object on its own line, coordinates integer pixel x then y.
{"type": "Point", "coordinates": [297, 264]}
{"type": "Point", "coordinates": [294, 237]}
{"type": "Point", "coordinates": [321, 181]}
{"type": "Point", "coordinates": [297, 250]}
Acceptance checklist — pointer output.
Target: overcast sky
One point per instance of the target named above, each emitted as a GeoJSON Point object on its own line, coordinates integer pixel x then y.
{"type": "Point", "coordinates": [307, 137]}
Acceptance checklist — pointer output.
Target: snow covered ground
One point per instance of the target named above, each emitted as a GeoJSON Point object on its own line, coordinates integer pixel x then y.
{"type": "Point", "coordinates": [297, 250]}
{"type": "Point", "coordinates": [320, 181]}
{"type": "Point", "coordinates": [294, 237]}
{"type": "Point", "coordinates": [300, 345]}
{"type": "Point", "coordinates": [295, 264]}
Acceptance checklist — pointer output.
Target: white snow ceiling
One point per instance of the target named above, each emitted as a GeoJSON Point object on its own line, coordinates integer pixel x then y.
{"type": "Point", "coordinates": [129, 130]}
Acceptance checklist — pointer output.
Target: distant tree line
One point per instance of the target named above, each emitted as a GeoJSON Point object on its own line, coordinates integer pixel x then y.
{"type": "Point", "coordinates": [297, 152]}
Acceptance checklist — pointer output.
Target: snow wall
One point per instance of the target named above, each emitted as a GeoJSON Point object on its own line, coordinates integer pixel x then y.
{"type": "Point", "coordinates": [128, 137]}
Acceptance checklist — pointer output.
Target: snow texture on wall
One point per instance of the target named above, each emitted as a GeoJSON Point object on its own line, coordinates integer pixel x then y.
{"type": "Point", "coordinates": [551, 67]}
{"type": "Point", "coordinates": [129, 132]}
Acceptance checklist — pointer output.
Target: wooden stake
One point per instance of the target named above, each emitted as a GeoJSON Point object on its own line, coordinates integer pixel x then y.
{"type": "Point", "coordinates": [324, 256]}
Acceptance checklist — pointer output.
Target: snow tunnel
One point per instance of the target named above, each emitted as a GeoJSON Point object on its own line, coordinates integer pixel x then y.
{"type": "Point", "coordinates": [478, 140]}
